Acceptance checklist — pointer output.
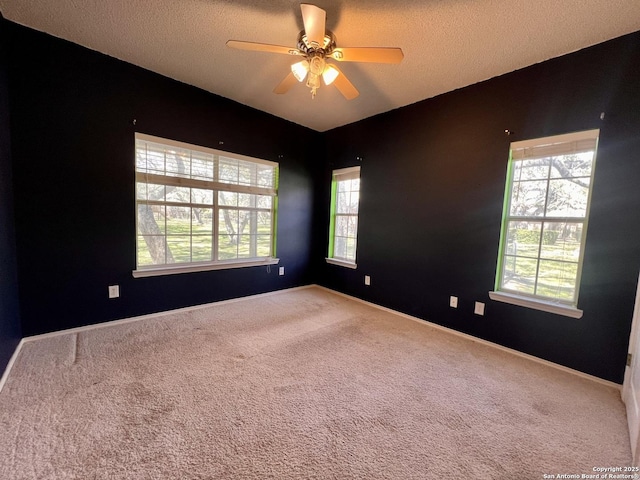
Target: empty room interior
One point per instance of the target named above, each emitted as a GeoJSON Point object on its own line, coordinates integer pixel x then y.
{"type": "Point", "coordinates": [340, 240]}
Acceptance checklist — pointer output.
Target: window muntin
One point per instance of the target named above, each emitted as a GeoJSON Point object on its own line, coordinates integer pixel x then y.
{"type": "Point", "coordinates": [199, 206]}
{"type": "Point", "coordinates": [545, 218]}
{"type": "Point", "coordinates": [345, 198]}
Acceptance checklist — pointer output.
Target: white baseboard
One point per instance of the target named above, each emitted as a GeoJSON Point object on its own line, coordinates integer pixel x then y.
{"type": "Point", "coordinates": [517, 353]}
{"type": "Point", "coordinates": [633, 420]}
{"type": "Point", "coordinates": [12, 360]}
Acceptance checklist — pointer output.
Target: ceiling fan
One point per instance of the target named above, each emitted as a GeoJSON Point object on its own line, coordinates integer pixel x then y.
{"type": "Point", "coordinates": [316, 45]}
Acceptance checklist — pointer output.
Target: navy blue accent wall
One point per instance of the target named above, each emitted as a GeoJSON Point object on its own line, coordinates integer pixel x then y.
{"type": "Point", "coordinates": [9, 308]}
{"type": "Point", "coordinates": [72, 127]}
{"type": "Point", "coordinates": [433, 178]}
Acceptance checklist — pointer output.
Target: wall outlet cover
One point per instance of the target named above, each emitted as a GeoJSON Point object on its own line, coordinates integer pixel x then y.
{"type": "Point", "coordinates": [114, 291]}
{"type": "Point", "coordinates": [453, 301]}
{"type": "Point", "coordinates": [479, 309]}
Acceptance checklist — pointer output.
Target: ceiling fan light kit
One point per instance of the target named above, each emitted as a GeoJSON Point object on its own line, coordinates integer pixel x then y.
{"type": "Point", "coordinates": [316, 44]}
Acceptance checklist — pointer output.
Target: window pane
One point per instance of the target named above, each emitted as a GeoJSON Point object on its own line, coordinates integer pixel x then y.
{"type": "Point", "coordinates": [353, 226]}
{"type": "Point", "coordinates": [246, 200]}
{"type": "Point", "coordinates": [202, 221]}
{"type": "Point", "coordinates": [228, 170]}
{"type": "Point", "coordinates": [180, 247]}
{"type": "Point", "coordinates": [265, 176]}
{"type": "Point", "coordinates": [227, 247]}
{"type": "Point", "coordinates": [561, 241]}
{"type": "Point", "coordinates": [523, 239]}
{"type": "Point", "coordinates": [246, 175]}
{"type": "Point", "coordinates": [228, 198]}
{"type": "Point", "coordinates": [577, 165]}
{"type": "Point", "coordinates": [264, 245]}
{"type": "Point", "coordinates": [178, 220]}
{"type": "Point", "coordinates": [141, 191]}
{"type": "Point", "coordinates": [528, 198]}
{"type": "Point", "coordinates": [342, 226]}
{"type": "Point", "coordinates": [179, 194]}
{"type": "Point", "coordinates": [244, 247]}
{"type": "Point", "coordinates": [201, 248]}
{"type": "Point", "coordinates": [535, 169]}
{"type": "Point", "coordinates": [557, 279]}
{"type": "Point", "coordinates": [204, 197]}
{"type": "Point", "coordinates": [519, 274]}
{"type": "Point", "coordinates": [351, 249]}
{"type": "Point", "coordinates": [264, 223]}
{"type": "Point", "coordinates": [202, 165]}
{"type": "Point", "coordinates": [264, 201]}
{"type": "Point", "coordinates": [155, 192]}
{"type": "Point", "coordinates": [340, 247]}
{"type": "Point", "coordinates": [568, 198]}
{"type": "Point", "coordinates": [146, 243]}
{"type": "Point", "coordinates": [178, 163]}
{"type": "Point", "coordinates": [151, 219]}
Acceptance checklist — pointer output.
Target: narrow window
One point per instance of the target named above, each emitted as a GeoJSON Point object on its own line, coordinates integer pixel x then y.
{"type": "Point", "coordinates": [343, 226]}
{"type": "Point", "coordinates": [544, 225]}
{"type": "Point", "coordinates": [201, 209]}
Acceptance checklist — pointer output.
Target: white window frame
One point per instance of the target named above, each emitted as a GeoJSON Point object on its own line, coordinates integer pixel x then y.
{"type": "Point", "coordinates": [544, 148]}
{"type": "Point", "coordinates": [213, 185]}
{"type": "Point", "coordinates": [341, 175]}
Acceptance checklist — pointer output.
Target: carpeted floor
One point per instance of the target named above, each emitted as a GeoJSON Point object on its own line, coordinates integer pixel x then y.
{"type": "Point", "coordinates": [302, 384]}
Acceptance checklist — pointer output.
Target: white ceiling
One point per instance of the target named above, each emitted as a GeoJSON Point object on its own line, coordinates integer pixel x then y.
{"type": "Point", "coordinates": [447, 44]}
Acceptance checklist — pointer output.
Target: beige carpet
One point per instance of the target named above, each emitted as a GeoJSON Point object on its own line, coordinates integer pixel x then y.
{"type": "Point", "coordinates": [302, 384]}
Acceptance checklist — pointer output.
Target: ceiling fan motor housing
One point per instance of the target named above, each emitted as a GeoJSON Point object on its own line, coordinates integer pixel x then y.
{"type": "Point", "coordinates": [309, 48]}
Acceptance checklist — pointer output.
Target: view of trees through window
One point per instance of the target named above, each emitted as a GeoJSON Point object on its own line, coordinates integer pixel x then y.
{"type": "Point", "coordinates": [195, 206]}
{"type": "Point", "coordinates": [543, 236]}
{"type": "Point", "coordinates": [345, 214]}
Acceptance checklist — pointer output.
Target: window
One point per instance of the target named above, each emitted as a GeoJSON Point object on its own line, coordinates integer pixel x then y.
{"type": "Point", "coordinates": [343, 226]}
{"type": "Point", "coordinates": [201, 209]}
{"type": "Point", "coordinates": [544, 226]}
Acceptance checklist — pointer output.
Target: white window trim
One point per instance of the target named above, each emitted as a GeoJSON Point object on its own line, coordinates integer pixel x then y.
{"type": "Point", "coordinates": [348, 173]}
{"type": "Point", "coordinates": [537, 303]}
{"type": "Point", "coordinates": [190, 267]}
{"type": "Point", "coordinates": [342, 263]}
{"type": "Point", "coordinates": [202, 267]}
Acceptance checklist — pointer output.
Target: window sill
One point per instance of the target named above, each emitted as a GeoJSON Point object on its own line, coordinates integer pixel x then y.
{"type": "Point", "coordinates": [342, 263]}
{"type": "Point", "coordinates": [536, 304]}
{"type": "Point", "coordinates": [202, 267]}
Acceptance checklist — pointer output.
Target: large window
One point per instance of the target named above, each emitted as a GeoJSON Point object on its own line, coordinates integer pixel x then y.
{"type": "Point", "coordinates": [545, 217]}
{"type": "Point", "coordinates": [200, 209]}
{"type": "Point", "coordinates": [345, 197]}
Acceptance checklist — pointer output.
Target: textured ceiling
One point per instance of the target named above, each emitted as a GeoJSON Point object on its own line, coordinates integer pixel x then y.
{"type": "Point", "coordinates": [447, 44]}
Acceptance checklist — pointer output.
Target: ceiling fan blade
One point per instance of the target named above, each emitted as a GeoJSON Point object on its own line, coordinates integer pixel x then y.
{"type": "Point", "coordinates": [314, 19]}
{"type": "Point", "coordinates": [263, 47]}
{"type": "Point", "coordinates": [344, 86]}
{"type": "Point", "coordinates": [284, 86]}
{"type": "Point", "coordinates": [368, 54]}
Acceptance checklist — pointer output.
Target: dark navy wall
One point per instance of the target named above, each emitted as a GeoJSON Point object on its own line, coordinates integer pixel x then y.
{"type": "Point", "coordinates": [433, 178]}
{"type": "Point", "coordinates": [72, 127]}
{"type": "Point", "coordinates": [9, 310]}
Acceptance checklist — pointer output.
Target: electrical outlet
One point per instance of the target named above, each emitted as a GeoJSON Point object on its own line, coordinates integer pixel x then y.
{"type": "Point", "coordinates": [453, 301]}
{"type": "Point", "coordinates": [367, 280]}
{"type": "Point", "coordinates": [114, 291]}
{"type": "Point", "coordinates": [479, 310]}
{"type": "Point", "coordinates": [281, 271]}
